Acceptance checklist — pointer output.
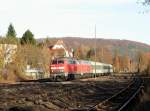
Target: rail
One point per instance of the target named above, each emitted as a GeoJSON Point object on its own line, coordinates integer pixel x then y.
{"type": "Point", "coordinates": [120, 100]}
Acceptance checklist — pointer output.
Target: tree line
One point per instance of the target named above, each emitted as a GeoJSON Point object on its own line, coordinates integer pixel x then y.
{"type": "Point", "coordinates": [11, 37]}
{"type": "Point", "coordinates": [30, 52]}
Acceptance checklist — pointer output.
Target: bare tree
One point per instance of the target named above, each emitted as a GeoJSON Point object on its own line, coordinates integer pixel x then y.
{"type": "Point", "coordinates": [141, 62]}
{"type": "Point", "coordinates": [148, 68]}
{"type": "Point", "coordinates": [116, 62]}
{"type": "Point", "coordinates": [36, 57]}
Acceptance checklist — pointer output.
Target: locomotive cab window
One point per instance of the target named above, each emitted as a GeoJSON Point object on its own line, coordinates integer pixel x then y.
{"type": "Point", "coordinates": [54, 62]}
{"type": "Point", "coordinates": [60, 61]}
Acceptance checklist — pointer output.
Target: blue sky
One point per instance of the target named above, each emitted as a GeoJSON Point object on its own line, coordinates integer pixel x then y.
{"type": "Point", "coordinates": [115, 19]}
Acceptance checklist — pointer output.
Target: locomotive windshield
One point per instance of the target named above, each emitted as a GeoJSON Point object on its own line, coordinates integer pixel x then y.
{"type": "Point", "coordinates": [54, 62]}
{"type": "Point", "coordinates": [58, 62]}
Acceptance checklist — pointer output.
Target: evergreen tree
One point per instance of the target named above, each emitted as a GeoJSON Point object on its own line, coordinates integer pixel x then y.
{"type": "Point", "coordinates": [11, 32]}
{"type": "Point", "coordinates": [28, 37]}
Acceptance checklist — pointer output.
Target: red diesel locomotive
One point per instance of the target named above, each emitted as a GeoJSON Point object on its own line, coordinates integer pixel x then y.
{"type": "Point", "coordinates": [70, 68]}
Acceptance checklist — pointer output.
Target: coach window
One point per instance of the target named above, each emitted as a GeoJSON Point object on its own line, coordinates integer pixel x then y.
{"type": "Point", "coordinates": [105, 67]}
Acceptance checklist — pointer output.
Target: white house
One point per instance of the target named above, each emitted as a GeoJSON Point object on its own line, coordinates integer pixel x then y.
{"type": "Point", "coordinates": [7, 51]}
{"type": "Point", "coordinates": [59, 48]}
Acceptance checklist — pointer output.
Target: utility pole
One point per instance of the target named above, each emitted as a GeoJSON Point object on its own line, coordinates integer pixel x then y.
{"type": "Point", "coordinates": [102, 55]}
{"type": "Point", "coordinates": [95, 51]}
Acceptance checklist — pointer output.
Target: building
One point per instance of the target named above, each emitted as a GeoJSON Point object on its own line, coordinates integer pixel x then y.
{"type": "Point", "coordinates": [60, 50]}
{"type": "Point", "coordinates": [7, 52]}
{"type": "Point", "coordinates": [34, 73]}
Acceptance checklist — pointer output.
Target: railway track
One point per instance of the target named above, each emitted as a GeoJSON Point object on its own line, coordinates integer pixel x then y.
{"type": "Point", "coordinates": [58, 95]}
{"type": "Point", "coordinates": [120, 76]}
{"type": "Point", "coordinates": [60, 79]}
{"type": "Point", "coordinates": [119, 101]}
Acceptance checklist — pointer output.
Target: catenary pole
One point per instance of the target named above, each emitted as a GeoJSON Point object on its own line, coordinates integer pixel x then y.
{"type": "Point", "coordinates": [95, 51]}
